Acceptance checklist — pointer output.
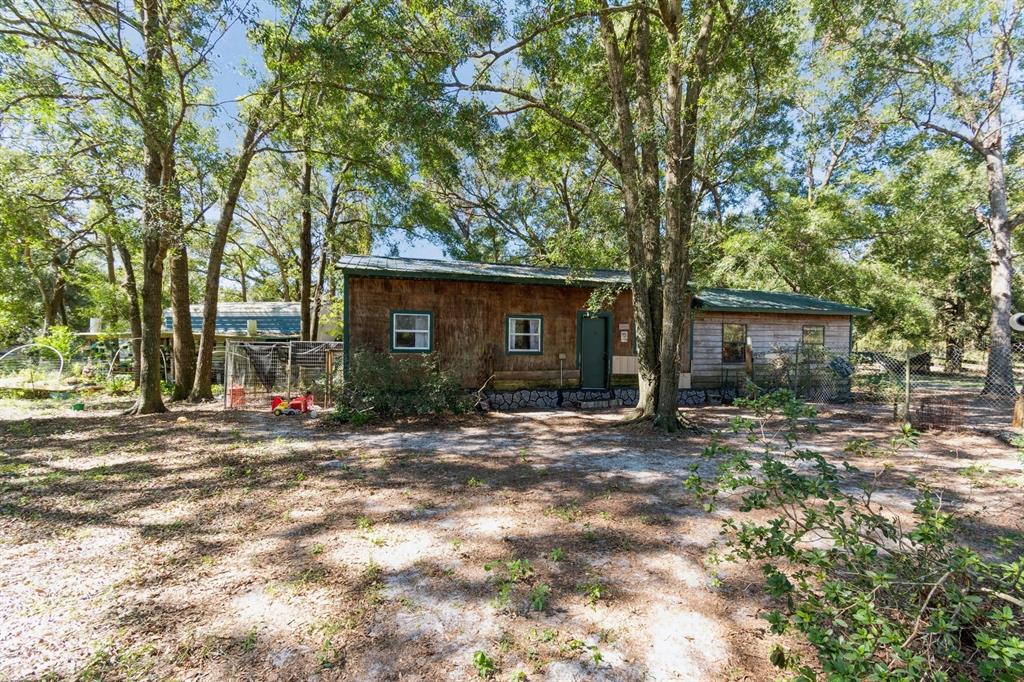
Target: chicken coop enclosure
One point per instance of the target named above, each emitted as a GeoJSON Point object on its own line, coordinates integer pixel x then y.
{"type": "Point", "coordinates": [255, 371]}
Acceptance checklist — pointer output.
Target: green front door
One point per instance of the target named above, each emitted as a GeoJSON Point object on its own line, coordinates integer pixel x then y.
{"type": "Point", "coordinates": [593, 347]}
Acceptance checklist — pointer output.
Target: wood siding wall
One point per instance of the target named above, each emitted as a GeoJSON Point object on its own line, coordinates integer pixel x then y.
{"type": "Point", "coordinates": [470, 329]}
{"type": "Point", "coordinates": [766, 331]}
{"type": "Point", "coordinates": [470, 324]}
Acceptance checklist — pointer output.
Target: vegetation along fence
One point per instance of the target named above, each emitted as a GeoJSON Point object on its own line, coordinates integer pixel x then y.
{"type": "Point", "coordinates": [255, 371]}
{"type": "Point", "coordinates": [901, 385]}
{"type": "Point", "coordinates": [911, 385]}
{"type": "Point", "coordinates": [926, 394]}
{"type": "Point", "coordinates": [32, 366]}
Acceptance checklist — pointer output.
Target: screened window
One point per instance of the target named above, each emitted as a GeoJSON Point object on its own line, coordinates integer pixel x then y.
{"type": "Point", "coordinates": [412, 331]}
{"type": "Point", "coordinates": [734, 342]}
{"type": "Point", "coordinates": [814, 335]}
{"type": "Point", "coordinates": [525, 334]}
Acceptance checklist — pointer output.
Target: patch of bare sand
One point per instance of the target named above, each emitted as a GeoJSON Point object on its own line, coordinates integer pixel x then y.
{"type": "Point", "coordinates": [221, 547]}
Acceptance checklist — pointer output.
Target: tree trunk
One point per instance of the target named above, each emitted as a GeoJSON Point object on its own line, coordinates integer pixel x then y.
{"type": "Point", "coordinates": [676, 239]}
{"type": "Point", "coordinates": [52, 294]}
{"type": "Point", "coordinates": [330, 223]}
{"type": "Point", "coordinates": [49, 316]}
{"type": "Point", "coordinates": [184, 343]}
{"type": "Point", "coordinates": [650, 214]}
{"type": "Point", "coordinates": [154, 249]}
{"type": "Point", "coordinates": [158, 148]}
{"type": "Point", "coordinates": [319, 294]}
{"type": "Point", "coordinates": [202, 388]}
{"type": "Point", "coordinates": [63, 309]}
{"type": "Point", "coordinates": [306, 251]}
{"type": "Point", "coordinates": [999, 375]}
{"type": "Point", "coordinates": [108, 252]}
{"type": "Point", "coordinates": [954, 356]}
{"type": "Point", "coordinates": [242, 280]}
{"type": "Point", "coordinates": [642, 245]}
{"type": "Point", "coordinates": [134, 314]}
{"type": "Point", "coordinates": [681, 142]}
{"type": "Point", "coordinates": [286, 286]}
{"type": "Point", "coordinates": [952, 314]}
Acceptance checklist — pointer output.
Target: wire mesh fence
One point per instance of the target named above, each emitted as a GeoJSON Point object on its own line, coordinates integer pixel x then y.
{"type": "Point", "coordinates": [909, 385]}
{"type": "Point", "coordinates": [924, 391]}
{"type": "Point", "coordinates": [812, 373]}
{"type": "Point", "coordinates": [897, 385]}
{"type": "Point", "coordinates": [914, 386]}
{"type": "Point", "coordinates": [32, 366]}
{"type": "Point", "coordinates": [256, 371]}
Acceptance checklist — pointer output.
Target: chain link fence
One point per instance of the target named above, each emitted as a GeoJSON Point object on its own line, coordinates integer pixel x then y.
{"type": "Point", "coordinates": [811, 372]}
{"type": "Point", "coordinates": [880, 384]}
{"type": "Point", "coordinates": [924, 392]}
{"type": "Point", "coordinates": [911, 385]}
{"type": "Point", "coordinates": [256, 371]}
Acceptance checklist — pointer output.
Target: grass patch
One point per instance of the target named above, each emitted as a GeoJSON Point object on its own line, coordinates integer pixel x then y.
{"type": "Point", "coordinates": [568, 512]}
{"type": "Point", "coordinates": [108, 661]}
{"type": "Point", "coordinates": [484, 664]}
{"type": "Point", "coordinates": [593, 591]}
{"type": "Point", "coordinates": [249, 641]}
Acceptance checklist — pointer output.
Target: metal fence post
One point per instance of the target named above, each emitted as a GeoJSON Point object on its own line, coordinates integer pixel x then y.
{"type": "Point", "coordinates": [797, 375]}
{"type": "Point", "coordinates": [288, 371]}
{"type": "Point", "coordinates": [227, 372]}
{"type": "Point", "coordinates": [906, 388]}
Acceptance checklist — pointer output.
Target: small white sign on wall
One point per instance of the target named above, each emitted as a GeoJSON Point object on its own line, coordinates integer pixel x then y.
{"type": "Point", "coordinates": [624, 336]}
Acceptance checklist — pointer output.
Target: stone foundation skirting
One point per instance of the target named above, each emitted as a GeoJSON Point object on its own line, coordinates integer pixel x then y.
{"type": "Point", "coordinates": [508, 401]}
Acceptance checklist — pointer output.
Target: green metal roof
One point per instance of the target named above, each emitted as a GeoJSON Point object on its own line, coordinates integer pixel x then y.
{"type": "Point", "coordinates": [735, 300]}
{"type": "Point", "coordinates": [425, 268]}
{"type": "Point", "coordinates": [747, 300]}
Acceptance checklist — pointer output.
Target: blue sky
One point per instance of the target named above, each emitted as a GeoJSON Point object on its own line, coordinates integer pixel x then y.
{"type": "Point", "coordinates": [233, 63]}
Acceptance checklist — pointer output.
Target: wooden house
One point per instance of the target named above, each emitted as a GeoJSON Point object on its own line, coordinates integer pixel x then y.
{"type": "Point", "coordinates": [531, 327]}
{"type": "Point", "coordinates": [264, 320]}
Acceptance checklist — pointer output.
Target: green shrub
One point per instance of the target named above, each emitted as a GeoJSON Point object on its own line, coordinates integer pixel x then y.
{"type": "Point", "coordinates": [539, 596]}
{"type": "Point", "coordinates": [62, 339]}
{"type": "Point", "coordinates": [506, 575]}
{"type": "Point", "coordinates": [877, 388]}
{"type": "Point", "coordinates": [119, 384]}
{"type": "Point", "coordinates": [484, 664]}
{"type": "Point", "coordinates": [877, 600]}
{"type": "Point", "coordinates": [379, 385]}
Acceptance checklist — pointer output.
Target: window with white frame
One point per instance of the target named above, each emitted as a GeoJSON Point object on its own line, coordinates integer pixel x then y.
{"type": "Point", "coordinates": [734, 342]}
{"type": "Point", "coordinates": [813, 335]}
{"type": "Point", "coordinates": [412, 331]}
{"type": "Point", "coordinates": [525, 334]}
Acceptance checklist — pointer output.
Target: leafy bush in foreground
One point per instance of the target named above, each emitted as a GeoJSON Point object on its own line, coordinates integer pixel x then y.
{"type": "Point", "coordinates": [878, 601]}
{"type": "Point", "coordinates": [379, 385]}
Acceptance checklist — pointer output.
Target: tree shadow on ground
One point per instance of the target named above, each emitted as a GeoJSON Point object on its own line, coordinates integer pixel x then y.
{"type": "Point", "coordinates": [239, 553]}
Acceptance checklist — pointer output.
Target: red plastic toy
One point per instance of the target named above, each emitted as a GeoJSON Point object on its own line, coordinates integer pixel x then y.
{"type": "Point", "coordinates": [297, 405]}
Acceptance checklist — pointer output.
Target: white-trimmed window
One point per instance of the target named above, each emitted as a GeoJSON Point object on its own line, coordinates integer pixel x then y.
{"type": "Point", "coordinates": [734, 343]}
{"type": "Point", "coordinates": [813, 335]}
{"type": "Point", "coordinates": [412, 331]}
{"type": "Point", "coordinates": [525, 334]}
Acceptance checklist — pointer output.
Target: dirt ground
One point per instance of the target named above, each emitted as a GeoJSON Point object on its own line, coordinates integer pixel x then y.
{"type": "Point", "coordinates": [210, 545]}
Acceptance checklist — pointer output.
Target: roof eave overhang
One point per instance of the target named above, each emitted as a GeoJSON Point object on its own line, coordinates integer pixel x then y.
{"type": "Point", "coordinates": [494, 279]}
{"type": "Point", "coordinates": [860, 312]}
{"type": "Point", "coordinates": [581, 282]}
